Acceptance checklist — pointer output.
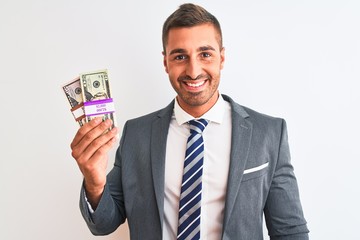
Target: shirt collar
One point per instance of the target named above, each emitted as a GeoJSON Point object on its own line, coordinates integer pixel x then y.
{"type": "Point", "coordinates": [215, 114]}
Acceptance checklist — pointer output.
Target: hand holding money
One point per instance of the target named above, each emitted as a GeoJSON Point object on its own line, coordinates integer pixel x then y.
{"type": "Point", "coordinates": [92, 106]}
{"type": "Point", "coordinates": [89, 148]}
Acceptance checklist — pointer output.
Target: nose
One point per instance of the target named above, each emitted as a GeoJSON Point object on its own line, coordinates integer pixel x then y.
{"type": "Point", "coordinates": [193, 68]}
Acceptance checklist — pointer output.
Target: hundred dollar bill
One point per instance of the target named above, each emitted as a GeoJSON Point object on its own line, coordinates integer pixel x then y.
{"type": "Point", "coordinates": [97, 96]}
{"type": "Point", "coordinates": [73, 93]}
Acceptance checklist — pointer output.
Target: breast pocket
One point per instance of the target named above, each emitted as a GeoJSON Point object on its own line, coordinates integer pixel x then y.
{"type": "Point", "coordinates": [255, 172]}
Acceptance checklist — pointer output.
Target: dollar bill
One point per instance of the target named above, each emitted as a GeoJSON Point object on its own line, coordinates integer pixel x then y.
{"type": "Point", "coordinates": [97, 96]}
{"type": "Point", "coordinates": [73, 93]}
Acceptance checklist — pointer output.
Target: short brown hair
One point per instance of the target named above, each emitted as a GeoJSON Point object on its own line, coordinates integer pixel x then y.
{"type": "Point", "coordinates": [189, 15]}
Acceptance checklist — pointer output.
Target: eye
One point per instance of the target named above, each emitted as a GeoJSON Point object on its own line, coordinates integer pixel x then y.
{"type": "Point", "coordinates": [180, 57]}
{"type": "Point", "coordinates": [205, 55]}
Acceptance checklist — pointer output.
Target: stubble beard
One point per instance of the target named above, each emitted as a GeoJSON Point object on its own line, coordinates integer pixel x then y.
{"type": "Point", "coordinates": [200, 98]}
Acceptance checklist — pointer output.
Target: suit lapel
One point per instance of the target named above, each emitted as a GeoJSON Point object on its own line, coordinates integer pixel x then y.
{"type": "Point", "coordinates": [240, 143]}
{"type": "Point", "coordinates": [159, 131]}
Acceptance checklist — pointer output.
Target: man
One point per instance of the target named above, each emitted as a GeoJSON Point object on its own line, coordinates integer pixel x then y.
{"type": "Point", "coordinates": [242, 158]}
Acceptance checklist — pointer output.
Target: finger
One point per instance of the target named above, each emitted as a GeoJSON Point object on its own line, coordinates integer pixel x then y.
{"type": "Point", "coordinates": [95, 133]}
{"type": "Point", "coordinates": [89, 137]}
{"type": "Point", "coordinates": [103, 150]}
{"type": "Point", "coordinates": [97, 144]}
{"type": "Point", "coordinates": [94, 170]}
{"type": "Point", "coordinates": [83, 130]}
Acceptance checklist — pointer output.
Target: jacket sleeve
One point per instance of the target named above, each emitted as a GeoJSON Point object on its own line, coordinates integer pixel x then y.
{"type": "Point", "coordinates": [283, 211]}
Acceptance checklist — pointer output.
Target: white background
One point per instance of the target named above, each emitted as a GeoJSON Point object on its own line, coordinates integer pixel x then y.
{"type": "Point", "coordinates": [293, 59]}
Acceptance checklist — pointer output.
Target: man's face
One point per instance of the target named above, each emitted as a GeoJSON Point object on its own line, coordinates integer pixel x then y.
{"type": "Point", "coordinates": [193, 61]}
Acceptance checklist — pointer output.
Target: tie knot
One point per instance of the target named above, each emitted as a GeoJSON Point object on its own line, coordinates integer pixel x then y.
{"type": "Point", "coordinates": [198, 125]}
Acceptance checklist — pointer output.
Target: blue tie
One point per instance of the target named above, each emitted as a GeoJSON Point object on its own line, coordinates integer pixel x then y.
{"type": "Point", "coordinates": [190, 197]}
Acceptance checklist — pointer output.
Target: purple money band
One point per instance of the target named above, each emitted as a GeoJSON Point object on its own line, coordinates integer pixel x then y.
{"type": "Point", "coordinates": [99, 107]}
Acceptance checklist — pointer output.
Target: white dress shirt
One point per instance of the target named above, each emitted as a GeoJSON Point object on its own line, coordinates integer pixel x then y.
{"type": "Point", "coordinates": [217, 143]}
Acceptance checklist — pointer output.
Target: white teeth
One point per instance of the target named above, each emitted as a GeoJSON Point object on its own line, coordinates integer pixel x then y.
{"type": "Point", "coordinates": [195, 84]}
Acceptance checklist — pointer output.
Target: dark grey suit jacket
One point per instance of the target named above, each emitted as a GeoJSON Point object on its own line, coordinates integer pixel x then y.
{"type": "Point", "coordinates": [135, 186]}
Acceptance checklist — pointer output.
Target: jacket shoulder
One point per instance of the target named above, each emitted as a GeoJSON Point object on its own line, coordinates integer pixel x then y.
{"type": "Point", "coordinates": [255, 117]}
{"type": "Point", "coordinates": [261, 117]}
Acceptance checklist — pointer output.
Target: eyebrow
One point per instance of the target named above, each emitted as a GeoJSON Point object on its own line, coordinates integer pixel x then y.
{"type": "Point", "coordinates": [206, 48]}
{"type": "Point", "coordinates": [177, 50]}
{"type": "Point", "coordinates": [200, 49]}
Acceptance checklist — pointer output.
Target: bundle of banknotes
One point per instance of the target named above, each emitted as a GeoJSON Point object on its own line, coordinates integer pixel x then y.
{"type": "Point", "coordinates": [89, 96]}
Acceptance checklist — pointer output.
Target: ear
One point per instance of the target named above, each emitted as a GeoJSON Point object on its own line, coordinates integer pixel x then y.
{"type": "Point", "coordinates": [165, 62]}
{"type": "Point", "coordinates": [222, 58]}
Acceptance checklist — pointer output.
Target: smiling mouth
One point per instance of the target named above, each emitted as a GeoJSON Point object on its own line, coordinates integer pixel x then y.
{"type": "Point", "coordinates": [195, 85]}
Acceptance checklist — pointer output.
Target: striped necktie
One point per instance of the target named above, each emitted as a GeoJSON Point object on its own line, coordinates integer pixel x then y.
{"type": "Point", "coordinates": [190, 197]}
